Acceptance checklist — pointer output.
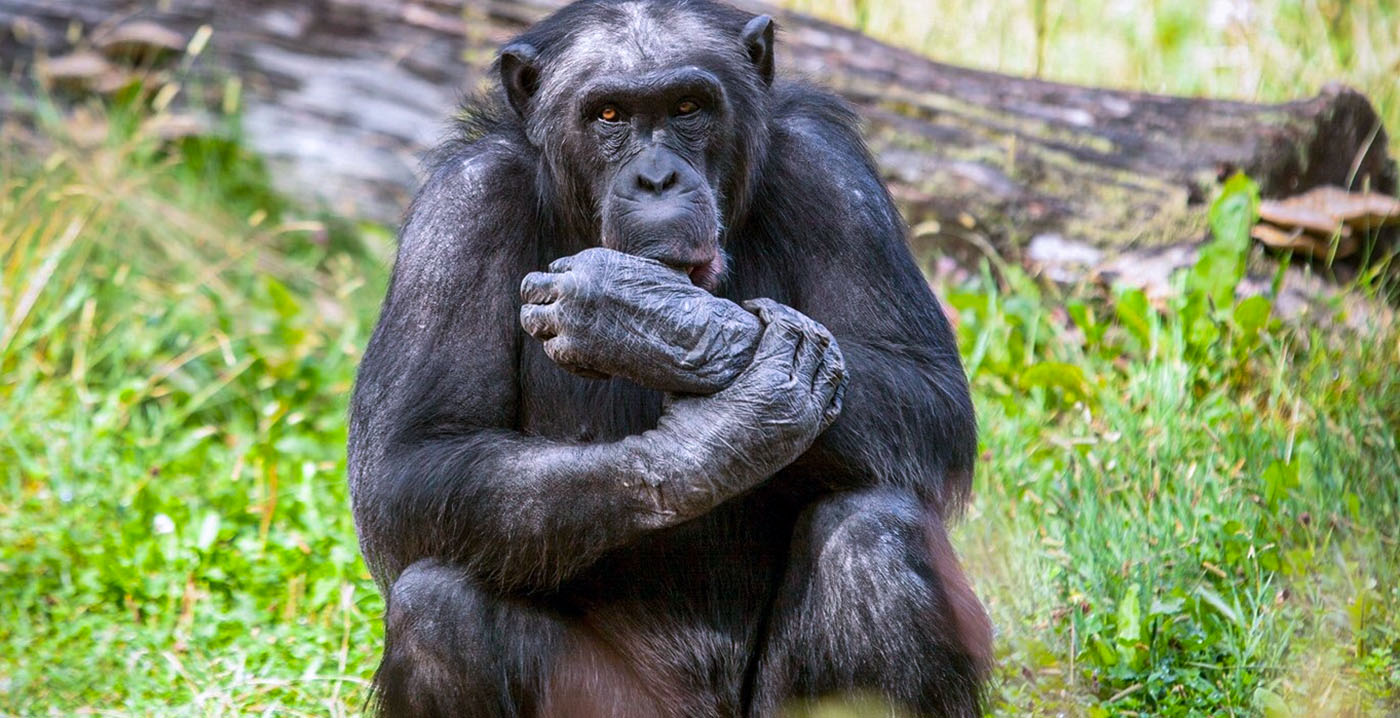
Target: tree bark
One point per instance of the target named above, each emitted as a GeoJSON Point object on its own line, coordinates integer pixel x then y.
{"type": "Point", "coordinates": [343, 95]}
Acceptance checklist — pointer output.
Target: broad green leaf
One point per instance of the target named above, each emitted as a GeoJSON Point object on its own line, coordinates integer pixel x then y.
{"type": "Point", "coordinates": [1234, 212]}
{"type": "Point", "coordinates": [1129, 624]}
{"type": "Point", "coordinates": [1132, 309]}
{"type": "Point", "coordinates": [1214, 600]}
{"type": "Point", "coordinates": [282, 299]}
{"type": "Point", "coordinates": [1252, 314]}
{"type": "Point", "coordinates": [1221, 263]}
{"type": "Point", "coordinates": [1270, 704]}
{"type": "Point", "coordinates": [1068, 378]}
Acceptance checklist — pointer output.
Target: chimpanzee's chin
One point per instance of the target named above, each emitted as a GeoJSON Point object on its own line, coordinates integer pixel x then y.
{"type": "Point", "coordinates": [686, 240]}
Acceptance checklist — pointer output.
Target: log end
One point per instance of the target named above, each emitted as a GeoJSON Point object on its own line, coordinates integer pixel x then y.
{"type": "Point", "coordinates": [1341, 142]}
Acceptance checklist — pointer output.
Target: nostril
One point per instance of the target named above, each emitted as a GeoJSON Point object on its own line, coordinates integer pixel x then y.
{"type": "Point", "coordinates": [657, 184]}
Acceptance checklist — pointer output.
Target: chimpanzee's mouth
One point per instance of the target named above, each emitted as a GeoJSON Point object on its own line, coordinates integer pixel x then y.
{"type": "Point", "coordinates": [707, 275]}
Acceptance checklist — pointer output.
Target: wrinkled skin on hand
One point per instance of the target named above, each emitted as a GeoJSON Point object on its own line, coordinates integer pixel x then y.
{"type": "Point", "coordinates": [606, 313]}
{"type": "Point", "coordinates": [753, 386]}
{"type": "Point", "coordinates": [760, 423]}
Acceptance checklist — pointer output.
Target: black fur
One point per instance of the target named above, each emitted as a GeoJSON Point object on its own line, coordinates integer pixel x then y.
{"type": "Point", "coordinates": [525, 574]}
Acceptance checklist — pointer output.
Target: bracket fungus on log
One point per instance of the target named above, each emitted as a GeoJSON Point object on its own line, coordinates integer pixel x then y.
{"type": "Point", "coordinates": [1324, 221]}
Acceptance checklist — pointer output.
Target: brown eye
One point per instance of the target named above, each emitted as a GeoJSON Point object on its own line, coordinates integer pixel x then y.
{"type": "Point", "coordinates": [609, 113]}
{"type": "Point", "coordinates": [686, 107]}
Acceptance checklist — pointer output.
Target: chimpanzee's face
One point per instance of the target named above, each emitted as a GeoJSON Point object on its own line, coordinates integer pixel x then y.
{"type": "Point", "coordinates": [637, 119]}
{"type": "Point", "coordinates": [653, 136]}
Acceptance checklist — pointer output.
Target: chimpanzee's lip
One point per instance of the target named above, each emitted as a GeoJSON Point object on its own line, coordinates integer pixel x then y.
{"type": "Point", "coordinates": [707, 274]}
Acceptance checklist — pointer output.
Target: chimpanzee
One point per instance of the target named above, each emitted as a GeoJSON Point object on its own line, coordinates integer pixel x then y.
{"type": "Point", "coordinates": [660, 417]}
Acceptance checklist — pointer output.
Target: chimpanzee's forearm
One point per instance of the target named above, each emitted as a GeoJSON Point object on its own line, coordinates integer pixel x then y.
{"type": "Point", "coordinates": [525, 513]}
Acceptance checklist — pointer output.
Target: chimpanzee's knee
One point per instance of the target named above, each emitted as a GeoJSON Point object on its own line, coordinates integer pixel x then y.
{"type": "Point", "coordinates": [453, 650]}
{"type": "Point", "coordinates": [868, 545]}
{"type": "Point", "coordinates": [874, 600]}
{"type": "Point", "coordinates": [886, 559]}
{"type": "Point", "coordinates": [436, 649]}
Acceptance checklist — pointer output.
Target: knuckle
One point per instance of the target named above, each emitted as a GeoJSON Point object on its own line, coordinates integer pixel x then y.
{"type": "Point", "coordinates": [788, 315]}
{"type": "Point", "coordinates": [572, 285]}
{"type": "Point", "coordinates": [560, 349]}
{"type": "Point", "coordinates": [761, 306]}
{"type": "Point", "coordinates": [573, 351]}
{"type": "Point", "coordinates": [836, 362]}
{"type": "Point", "coordinates": [593, 258]}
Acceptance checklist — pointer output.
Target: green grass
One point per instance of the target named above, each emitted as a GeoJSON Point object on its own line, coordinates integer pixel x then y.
{"type": "Point", "coordinates": [1184, 516]}
{"type": "Point", "coordinates": [1191, 509]}
{"type": "Point", "coordinates": [175, 353]}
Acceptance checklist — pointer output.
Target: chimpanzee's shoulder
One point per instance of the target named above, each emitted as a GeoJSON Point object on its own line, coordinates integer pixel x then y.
{"type": "Point", "coordinates": [474, 204]}
{"type": "Point", "coordinates": [813, 115]}
{"type": "Point", "coordinates": [484, 168]}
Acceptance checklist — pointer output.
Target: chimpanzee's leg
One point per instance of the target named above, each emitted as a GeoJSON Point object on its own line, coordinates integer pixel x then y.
{"type": "Point", "coordinates": [452, 650]}
{"type": "Point", "coordinates": [874, 602]}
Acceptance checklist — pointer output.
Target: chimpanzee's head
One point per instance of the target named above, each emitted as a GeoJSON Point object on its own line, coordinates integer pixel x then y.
{"type": "Point", "coordinates": [651, 121]}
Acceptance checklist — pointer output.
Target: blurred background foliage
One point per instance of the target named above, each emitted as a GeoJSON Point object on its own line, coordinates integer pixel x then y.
{"type": "Point", "coordinates": [1245, 49]}
{"type": "Point", "coordinates": [1186, 508]}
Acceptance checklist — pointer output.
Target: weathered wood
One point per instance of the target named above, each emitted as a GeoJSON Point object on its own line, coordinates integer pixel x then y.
{"type": "Point", "coordinates": [343, 94]}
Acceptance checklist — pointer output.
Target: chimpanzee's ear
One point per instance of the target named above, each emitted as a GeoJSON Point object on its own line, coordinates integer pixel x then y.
{"type": "Point", "coordinates": [519, 76]}
{"type": "Point", "coordinates": [758, 39]}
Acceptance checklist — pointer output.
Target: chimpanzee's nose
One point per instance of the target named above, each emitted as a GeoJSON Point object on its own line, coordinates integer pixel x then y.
{"type": "Point", "coordinates": [656, 180]}
{"type": "Point", "coordinates": [659, 174]}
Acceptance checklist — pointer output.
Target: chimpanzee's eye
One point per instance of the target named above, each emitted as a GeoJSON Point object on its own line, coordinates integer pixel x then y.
{"type": "Point", "coordinates": [609, 113]}
{"type": "Point", "coordinates": [687, 107]}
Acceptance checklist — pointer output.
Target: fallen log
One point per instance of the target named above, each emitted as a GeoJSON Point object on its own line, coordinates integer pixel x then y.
{"type": "Point", "coordinates": [343, 95]}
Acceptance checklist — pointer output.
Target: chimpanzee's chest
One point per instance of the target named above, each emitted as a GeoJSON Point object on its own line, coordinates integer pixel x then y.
{"type": "Point", "coordinates": [558, 405]}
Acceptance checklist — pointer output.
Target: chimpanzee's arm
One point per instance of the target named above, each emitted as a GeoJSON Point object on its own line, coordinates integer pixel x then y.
{"type": "Point", "coordinates": [908, 417]}
{"type": "Point", "coordinates": [436, 466]}
{"type": "Point", "coordinates": [839, 239]}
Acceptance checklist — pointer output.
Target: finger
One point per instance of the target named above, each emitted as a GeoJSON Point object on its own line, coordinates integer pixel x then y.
{"type": "Point", "coordinates": [541, 321]}
{"type": "Point", "coordinates": [830, 383]}
{"type": "Point", "coordinates": [808, 358]}
{"type": "Point", "coordinates": [770, 311]}
{"type": "Point", "coordinates": [562, 351]}
{"type": "Point", "coordinates": [540, 288]}
{"type": "Point", "coordinates": [764, 307]}
{"type": "Point", "coordinates": [565, 351]}
{"type": "Point", "coordinates": [590, 256]}
{"type": "Point", "coordinates": [833, 407]}
{"type": "Point", "coordinates": [563, 264]}
{"type": "Point", "coordinates": [778, 343]}
{"type": "Point", "coordinates": [831, 370]}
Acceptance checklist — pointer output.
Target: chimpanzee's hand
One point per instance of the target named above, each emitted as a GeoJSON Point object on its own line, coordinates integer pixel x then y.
{"type": "Point", "coordinates": [606, 313]}
{"type": "Point", "coordinates": [734, 439]}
